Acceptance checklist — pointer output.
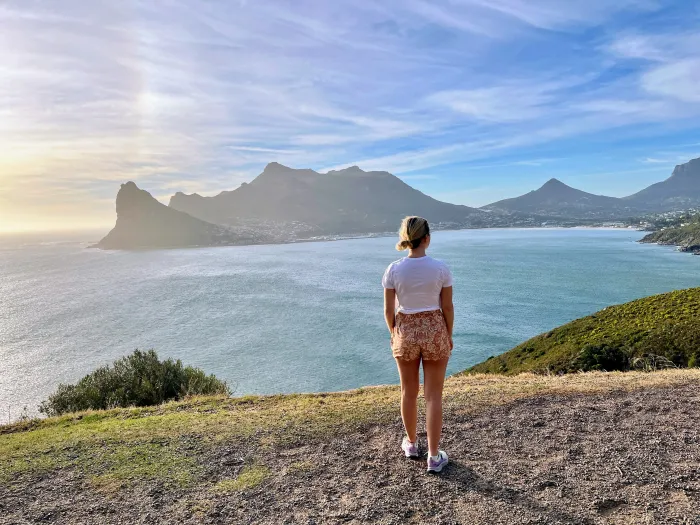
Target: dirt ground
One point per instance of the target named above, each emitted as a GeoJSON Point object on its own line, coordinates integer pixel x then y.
{"type": "Point", "coordinates": [619, 458]}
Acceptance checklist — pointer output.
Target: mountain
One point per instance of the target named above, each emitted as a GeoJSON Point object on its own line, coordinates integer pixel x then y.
{"type": "Point", "coordinates": [662, 331]}
{"type": "Point", "coordinates": [556, 199]}
{"type": "Point", "coordinates": [679, 192]}
{"type": "Point", "coordinates": [303, 202]}
{"type": "Point", "coordinates": [143, 222]}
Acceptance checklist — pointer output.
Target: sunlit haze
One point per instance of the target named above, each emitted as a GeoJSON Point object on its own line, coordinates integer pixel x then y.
{"type": "Point", "coordinates": [469, 101]}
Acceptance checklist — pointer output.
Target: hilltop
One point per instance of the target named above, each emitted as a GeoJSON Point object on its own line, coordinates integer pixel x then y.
{"type": "Point", "coordinates": [556, 199]}
{"type": "Point", "coordinates": [679, 192]}
{"type": "Point", "coordinates": [582, 448]}
{"type": "Point", "coordinates": [143, 222]}
{"type": "Point", "coordinates": [303, 202]}
{"type": "Point", "coordinates": [659, 329]}
{"type": "Point", "coordinates": [685, 236]}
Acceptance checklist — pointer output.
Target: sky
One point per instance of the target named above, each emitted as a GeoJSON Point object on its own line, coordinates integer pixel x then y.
{"type": "Point", "coordinates": [470, 101]}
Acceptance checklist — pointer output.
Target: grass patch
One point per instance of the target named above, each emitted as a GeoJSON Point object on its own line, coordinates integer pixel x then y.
{"type": "Point", "coordinates": [250, 477]}
{"type": "Point", "coordinates": [163, 442]}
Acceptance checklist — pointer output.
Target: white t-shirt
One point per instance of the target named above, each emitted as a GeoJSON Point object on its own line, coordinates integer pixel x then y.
{"type": "Point", "coordinates": [418, 282]}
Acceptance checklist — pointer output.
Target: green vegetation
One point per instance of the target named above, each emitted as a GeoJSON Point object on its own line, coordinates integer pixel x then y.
{"type": "Point", "coordinates": [685, 234]}
{"type": "Point", "coordinates": [171, 442]}
{"type": "Point", "coordinates": [654, 332]}
{"type": "Point", "coordinates": [250, 477]}
{"type": "Point", "coordinates": [139, 379]}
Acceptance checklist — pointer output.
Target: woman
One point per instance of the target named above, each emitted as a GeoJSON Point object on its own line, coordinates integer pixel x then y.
{"type": "Point", "coordinates": [420, 315]}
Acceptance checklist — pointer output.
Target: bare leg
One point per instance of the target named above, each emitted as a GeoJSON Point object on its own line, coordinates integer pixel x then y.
{"type": "Point", "coordinates": [434, 375]}
{"type": "Point", "coordinates": [409, 372]}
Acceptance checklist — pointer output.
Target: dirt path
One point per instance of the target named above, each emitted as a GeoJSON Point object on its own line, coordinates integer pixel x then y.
{"type": "Point", "coordinates": [625, 457]}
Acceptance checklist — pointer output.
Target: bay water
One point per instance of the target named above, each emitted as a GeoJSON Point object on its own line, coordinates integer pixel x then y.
{"type": "Point", "coordinates": [301, 317]}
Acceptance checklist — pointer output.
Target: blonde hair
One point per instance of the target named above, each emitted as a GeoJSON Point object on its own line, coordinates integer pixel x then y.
{"type": "Point", "coordinates": [412, 232]}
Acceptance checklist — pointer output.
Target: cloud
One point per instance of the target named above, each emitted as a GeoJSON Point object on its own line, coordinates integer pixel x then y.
{"type": "Point", "coordinates": [679, 79]}
{"type": "Point", "coordinates": [203, 94]}
{"type": "Point", "coordinates": [673, 63]}
{"type": "Point", "coordinates": [495, 104]}
{"type": "Point", "coordinates": [510, 101]}
{"type": "Point", "coordinates": [419, 176]}
{"type": "Point", "coordinates": [551, 14]}
{"type": "Point", "coordinates": [491, 17]}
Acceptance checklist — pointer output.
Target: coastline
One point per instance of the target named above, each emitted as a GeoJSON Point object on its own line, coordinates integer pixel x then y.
{"type": "Point", "coordinates": [670, 237]}
{"type": "Point", "coordinates": [19, 240]}
{"type": "Point", "coordinates": [349, 237]}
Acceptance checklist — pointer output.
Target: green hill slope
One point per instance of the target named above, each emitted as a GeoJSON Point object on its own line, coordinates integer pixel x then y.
{"type": "Point", "coordinates": [687, 237]}
{"type": "Point", "coordinates": [662, 330]}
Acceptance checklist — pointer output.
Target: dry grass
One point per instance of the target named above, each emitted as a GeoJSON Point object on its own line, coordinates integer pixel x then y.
{"type": "Point", "coordinates": [164, 443]}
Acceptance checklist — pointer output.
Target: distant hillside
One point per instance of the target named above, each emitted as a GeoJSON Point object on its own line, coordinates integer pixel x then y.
{"type": "Point", "coordinates": [686, 237]}
{"type": "Point", "coordinates": [679, 192]}
{"type": "Point", "coordinates": [642, 333]}
{"type": "Point", "coordinates": [556, 199]}
{"type": "Point", "coordinates": [143, 222]}
{"type": "Point", "coordinates": [311, 203]}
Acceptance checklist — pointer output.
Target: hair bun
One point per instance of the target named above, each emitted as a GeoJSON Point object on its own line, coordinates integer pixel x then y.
{"type": "Point", "coordinates": [403, 245]}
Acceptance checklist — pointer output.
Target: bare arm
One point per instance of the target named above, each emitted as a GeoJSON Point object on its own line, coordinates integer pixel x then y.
{"type": "Point", "coordinates": [448, 309]}
{"type": "Point", "coordinates": [390, 308]}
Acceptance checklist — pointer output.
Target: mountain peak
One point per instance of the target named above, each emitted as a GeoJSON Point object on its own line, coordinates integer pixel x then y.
{"type": "Point", "coordinates": [274, 166]}
{"type": "Point", "coordinates": [350, 170]}
{"type": "Point", "coordinates": [130, 197]}
{"type": "Point", "coordinates": [554, 183]}
{"type": "Point", "coordinates": [275, 170]}
{"type": "Point", "coordinates": [690, 169]}
{"type": "Point", "coordinates": [129, 186]}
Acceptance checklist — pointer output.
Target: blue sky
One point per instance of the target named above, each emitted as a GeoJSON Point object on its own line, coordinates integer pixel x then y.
{"type": "Point", "coordinates": [470, 101]}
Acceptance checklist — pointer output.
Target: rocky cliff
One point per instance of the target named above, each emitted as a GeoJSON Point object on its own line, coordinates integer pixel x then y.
{"type": "Point", "coordinates": [143, 222]}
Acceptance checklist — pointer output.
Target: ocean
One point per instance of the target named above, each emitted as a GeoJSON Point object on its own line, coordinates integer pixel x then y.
{"type": "Point", "coordinates": [301, 317]}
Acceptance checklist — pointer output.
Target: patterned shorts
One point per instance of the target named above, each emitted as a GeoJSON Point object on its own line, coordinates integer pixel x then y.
{"type": "Point", "coordinates": [421, 335]}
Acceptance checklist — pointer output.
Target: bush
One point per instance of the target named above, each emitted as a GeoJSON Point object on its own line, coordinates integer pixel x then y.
{"type": "Point", "coordinates": [139, 379]}
{"type": "Point", "coordinates": [601, 357]}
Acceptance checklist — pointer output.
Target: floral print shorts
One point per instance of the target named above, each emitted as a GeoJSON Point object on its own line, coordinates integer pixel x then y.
{"type": "Point", "coordinates": [421, 335]}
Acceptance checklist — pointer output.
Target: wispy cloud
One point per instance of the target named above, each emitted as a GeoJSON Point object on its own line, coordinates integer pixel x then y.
{"type": "Point", "coordinates": [199, 96]}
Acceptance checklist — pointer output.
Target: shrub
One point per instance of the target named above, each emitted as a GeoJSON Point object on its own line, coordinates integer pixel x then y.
{"type": "Point", "coordinates": [601, 357]}
{"type": "Point", "coordinates": [139, 379]}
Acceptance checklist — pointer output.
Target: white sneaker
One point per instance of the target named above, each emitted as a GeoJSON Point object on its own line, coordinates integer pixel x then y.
{"type": "Point", "coordinates": [410, 449]}
{"type": "Point", "coordinates": [437, 463]}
